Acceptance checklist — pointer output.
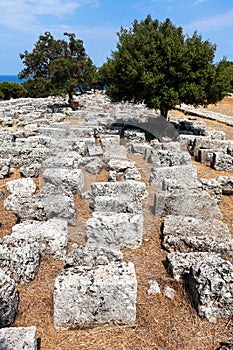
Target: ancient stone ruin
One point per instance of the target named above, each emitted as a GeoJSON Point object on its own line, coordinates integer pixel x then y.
{"type": "Point", "coordinates": [59, 155]}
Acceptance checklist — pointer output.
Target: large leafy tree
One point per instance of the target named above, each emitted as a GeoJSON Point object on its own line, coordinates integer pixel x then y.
{"type": "Point", "coordinates": [61, 66]}
{"type": "Point", "coordinates": [156, 63]}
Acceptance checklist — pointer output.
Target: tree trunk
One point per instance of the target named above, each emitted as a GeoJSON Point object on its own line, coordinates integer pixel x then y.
{"type": "Point", "coordinates": [164, 113]}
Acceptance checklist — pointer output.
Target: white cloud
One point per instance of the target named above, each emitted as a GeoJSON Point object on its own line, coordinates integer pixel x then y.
{"type": "Point", "coordinates": [24, 14]}
{"type": "Point", "coordinates": [212, 23]}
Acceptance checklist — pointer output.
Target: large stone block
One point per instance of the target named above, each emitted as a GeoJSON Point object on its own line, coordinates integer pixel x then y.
{"type": "Point", "coordinates": [171, 158]}
{"type": "Point", "coordinates": [210, 289]}
{"type": "Point", "coordinates": [114, 151]}
{"type": "Point", "coordinates": [186, 203]}
{"type": "Point", "coordinates": [8, 300]}
{"type": "Point", "coordinates": [21, 187]}
{"type": "Point", "coordinates": [19, 258]}
{"type": "Point", "coordinates": [121, 230]}
{"type": "Point", "coordinates": [18, 338]}
{"type": "Point", "coordinates": [222, 161]}
{"type": "Point", "coordinates": [119, 188]}
{"type": "Point", "coordinates": [188, 234]}
{"type": "Point", "coordinates": [179, 264]}
{"type": "Point", "coordinates": [201, 142]}
{"type": "Point", "coordinates": [104, 295]}
{"type": "Point", "coordinates": [73, 179]}
{"type": "Point", "coordinates": [92, 256]}
{"type": "Point", "coordinates": [185, 173]}
{"type": "Point", "coordinates": [226, 183]}
{"type": "Point", "coordinates": [51, 235]}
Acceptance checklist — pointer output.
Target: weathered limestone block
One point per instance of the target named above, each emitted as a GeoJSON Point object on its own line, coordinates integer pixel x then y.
{"type": "Point", "coordinates": [132, 174]}
{"type": "Point", "coordinates": [205, 155]}
{"type": "Point", "coordinates": [226, 183]}
{"type": "Point", "coordinates": [57, 202]}
{"type": "Point", "coordinates": [179, 264]}
{"type": "Point", "coordinates": [8, 300]}
{"type": "Point", "coordinates": [222, 161]}
{"type": "Point", "coordinates": [32, 170]}
{"type": "Point", "coordinates": [4, 167]}
{"type": "Point", "coordinates": [186, 141]}
{"type": "Point", "coordinates": [119, 188]}
{"type": "Point", "coordinates": [95, 151]}
{"type": "Point", "coordinates": [171, 158]}
{"type": "Point", "coordinates": [109, 140]}
{"type": "Point", "coordinates": [185, 173]}
{"type": "Point", "coordinates": [59, 162]}
{"type": "Point", "coordinates": [21, 187]}
{"type": "Point", "coordinates": [95, 166]}
{"type": "Point", "coordinates": [21, 338]}
{"type": "Point", "coordinates": [121, 230]}
{"type": "Point", "coordinates": [188, 234]}
{"type": "Point", "coordinates": [114, 151]}
{"type": "Point", "coordinates": [72, 179]}
{"type": "Point", "coordinates": [121, 204]}
{"type": "Point", "coordinates": [213, 187]}
{"type": "Point", "coordinates": [56, 133]}
{"type": "Point", "coordinates": [51, 235]}
{"type": "Point", "coordinates": [201, 142]}
{"type": "Point", "coordinates": [19, 258]}
{"type": "Point", "coordinates": [210, 288]}
{"type": "Point", "coordinates": [76, 131]}
{"type": "Point", "coordinates": [92, 256]}
{"type": "Point", "coordinates": [186, 203]}
{"type": "Point", "coordinates": [26, 207]}
{"type": "Point", "coordinates": [103, 295]}
{"type": "Point", "coordinates": [138, 147]}
{"type": "Point", "coordinates": [171, 146]}
{"type": "Point", "coordinates": [216, 134]}
{"type": "Point", "coordinates": [120, 164]}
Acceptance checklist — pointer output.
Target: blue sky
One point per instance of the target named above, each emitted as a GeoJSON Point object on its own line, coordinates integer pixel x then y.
{"type": "Point", "coordinates": [97, 21]}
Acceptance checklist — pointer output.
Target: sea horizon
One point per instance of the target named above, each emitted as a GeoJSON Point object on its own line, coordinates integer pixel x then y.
{"type": "Point", "coordinates": [10, 78]}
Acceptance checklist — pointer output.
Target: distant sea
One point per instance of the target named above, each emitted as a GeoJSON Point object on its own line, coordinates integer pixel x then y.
{"type": "Point", "coordinates": [10, 78]}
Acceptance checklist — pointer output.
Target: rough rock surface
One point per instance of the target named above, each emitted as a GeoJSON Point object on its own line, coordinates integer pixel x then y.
{"type": "Point", "coordinates": [186, 203]}
{"type": "Point", "coordinates": [18, 338]}
{"type": "Point", "coordinates": [222, 161]}
{"type": "Point", "coordinates": [73, 179]}
{"type": "Point", "coordinates": [21, 187]}
{"type": "Point", "coordinates": [8, 300]}
{"type": "Point", "coordinates": [120, 230]}
{"type": "Point", "coordinates": [104, 295]}
{"type": "Point", "coordinates": [51, 235]}
{"type": "Point", "coordinates": [188, 234]}
{"type": "Point", "coordinates": [19, 258]}
{"type": "Point", "coordinates": [179, 264]}
{"type": "Point", "coordinates": [210, 288]}
{"type": "Point", "coordinates": [91, 256]}
{"type": "Point", "coordinates": [185, 173]}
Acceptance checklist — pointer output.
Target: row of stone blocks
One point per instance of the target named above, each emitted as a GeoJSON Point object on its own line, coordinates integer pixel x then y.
{"type": "Point", "coordinates": [193, 232]}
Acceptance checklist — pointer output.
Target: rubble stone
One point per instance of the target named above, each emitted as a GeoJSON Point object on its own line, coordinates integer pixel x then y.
{"type": "Point", "coordinates": [8, 300]}
{"type": "Point", "coordinates": [51, 235]}
{"type": "Point", "coordinates": [189, 234]}
{"type": "Point", "coordinates": [104, 295]}
{"type": "Point", "coordinates": [21, 187]}
{"type": "Point", "coordinates": [222, 161]}
{"type": "Point", "coordinates": [18, 338]}
{"type": "Point", "coordinates": [19, 258]}
{"type": "Point", "coordinates": [120, 230]}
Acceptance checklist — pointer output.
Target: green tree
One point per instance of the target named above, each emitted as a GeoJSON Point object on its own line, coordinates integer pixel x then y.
{"type": "Point", "coordinates": [10, 90]}
{"type": "Point", "coordinates": [156, 63]}
{"type": "Point", "coordinates": [62, 65]}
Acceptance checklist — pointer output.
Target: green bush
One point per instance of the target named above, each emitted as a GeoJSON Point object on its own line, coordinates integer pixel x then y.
{"type": "Point", "coordinates": [10, 90]}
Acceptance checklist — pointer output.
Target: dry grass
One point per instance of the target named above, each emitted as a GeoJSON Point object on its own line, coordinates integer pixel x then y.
{"type": "Point", "coordinates": [161, 324]}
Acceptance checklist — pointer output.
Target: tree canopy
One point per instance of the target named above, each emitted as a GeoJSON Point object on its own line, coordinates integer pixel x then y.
{"type": "Point", "coordinates": [57, 66]}
{"type": "Point", "coordinates": [156, 63]}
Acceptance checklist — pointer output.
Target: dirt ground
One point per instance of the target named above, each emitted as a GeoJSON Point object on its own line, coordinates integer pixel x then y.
{"type": "Point", "coordinates": [161, 324]}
